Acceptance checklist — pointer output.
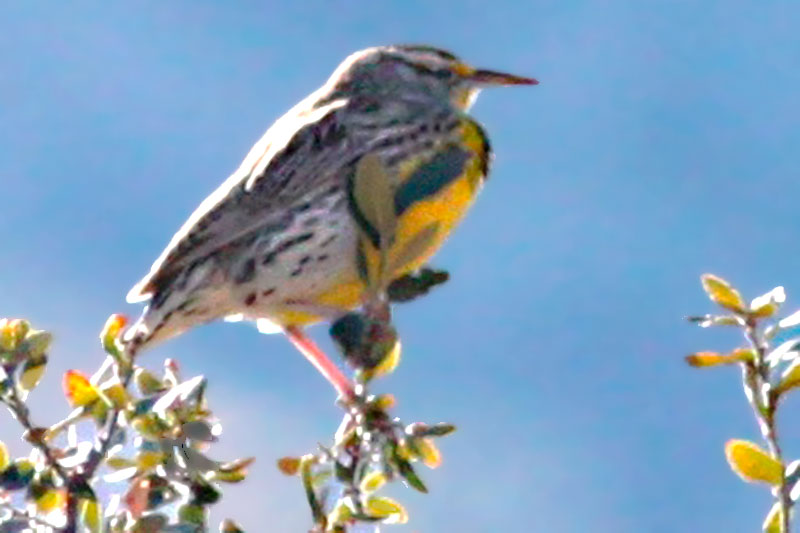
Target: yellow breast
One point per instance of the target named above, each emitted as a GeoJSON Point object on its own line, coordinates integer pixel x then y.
{"type": "Point", "coordinates": [435, 209]}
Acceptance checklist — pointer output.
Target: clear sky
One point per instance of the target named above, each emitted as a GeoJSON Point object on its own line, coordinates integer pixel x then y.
{"type": "Point", "coordinates": [662, 143]}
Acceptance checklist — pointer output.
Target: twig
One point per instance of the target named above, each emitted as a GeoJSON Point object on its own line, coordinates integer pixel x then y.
{"type": "Point", "coordinates": [87, 470]}
{"type": "Point", "coordinates": [21, 413]}
{"type": "Point", "coordinates": [764, 403]}
{"type": "Point", "coordinates": [16, 513]}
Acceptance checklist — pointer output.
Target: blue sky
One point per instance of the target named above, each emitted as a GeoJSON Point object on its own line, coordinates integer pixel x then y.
{"type": "Point", "coordinates": [662, 143]}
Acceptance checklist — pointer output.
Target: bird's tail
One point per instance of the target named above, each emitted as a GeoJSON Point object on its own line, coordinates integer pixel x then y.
{"type": "Point", "coordinates": [136, 337]}
{"type": "Point", "coordinates": [152, 327]}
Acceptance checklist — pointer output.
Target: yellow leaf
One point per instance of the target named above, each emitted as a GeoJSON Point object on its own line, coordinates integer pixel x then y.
{"type": "Point", "coordinates": [289, 465]}
{"type": "Point", "coordinates": [229, 526]}
{"type": "Point", "coordinates": [703, 359]}
{"type": "Point", "coordinates": [8, 340]}
{"type": "Point", "coordinates": [373, 481]}
{"type": "Point", "coordinates": [118, 463]}
{"type": "Point", "coordinates": [790, 378]}
{"type": "Point", "coordinates": [767, 304]}
{"type": "Point", "coordinates": [116, 394]}
{"type": "Point", "coordinates": [340, 515]}
{"type": "Point", "coordinates": [147, 460]}
{"type": "Point", "coordinates": [772, 523]}
{"type": "Point", "coordinates": [19, 329]}
{"type": "Point", "coordinates": [404, 451]}
{"type": "Point", "coordinates": [722, 293]}
{"type": "Point", "coordinates": [429, 453]}
{"type": "Point", "coordinates": [91, 515]}
{"type": "Point", "coordinates": [387, 509]}
{"type": "Point", "coordinates": [32, 372]}
{"type": "Point", "coordinates": [149, 425]}
{"type": "Point", "coordinates": [79, 391]}
{"type": "Point", "coordinates": [51, 500]}
{"type": "Point", "coordinates": [5, 458]}
{"type": "Point", "coordinates": [752, 463]}
{"type": "Point", "coordinates": [385, 402]}
{"type": "Point", "coordinates": [111, 331]}
{"type": "Point", "coordinates": [233, 476]}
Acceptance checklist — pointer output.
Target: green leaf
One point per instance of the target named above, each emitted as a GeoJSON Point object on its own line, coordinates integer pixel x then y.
{"type": "Point", "coordinates": [722, 293]}
{"type": "Point", "coordinates": [707, 321]}
{"type": "Point", "coordinates": [5, 458]}
{"type": "Point", "coordinates": [152, 523]}
{"type": "Point", "coordinates": [752, 463]}
{"type": "Point", "coordinates": [17, 475]}
{"type": "Point", "coordinates": [306, 462]}
{"type": "Point", "coordinates": [409, 475]}
{"type": "Point", "coordinates": [423, 430]}
{"type": "Point", "coordinates": [194, 514]}
{"type": "Point", "coordinates": [32, 372]}
{"type": "Point", "coordinates": [204, 494]}
{"type": "Point", "coordinates": [91, 514]}
{"type": "Point", "coordinates": [81, 488]}
{"type": "Point", "coordinates": [147, 382]}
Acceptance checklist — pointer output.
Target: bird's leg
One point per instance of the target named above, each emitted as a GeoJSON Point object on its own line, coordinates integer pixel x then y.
{"type": "Point", "coordinates": [317, 357]}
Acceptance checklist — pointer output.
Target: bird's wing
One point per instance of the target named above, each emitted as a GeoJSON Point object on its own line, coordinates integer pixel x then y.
{"type": "Point", "coordinates": [302, 147]}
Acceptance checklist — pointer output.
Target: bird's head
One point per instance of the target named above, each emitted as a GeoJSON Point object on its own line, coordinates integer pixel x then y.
{"type": "Point", "coordinates": [416, 73]}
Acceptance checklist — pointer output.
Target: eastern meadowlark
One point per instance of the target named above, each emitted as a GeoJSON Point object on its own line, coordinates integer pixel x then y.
{"type": "Point", "coordinates": [278, 240]}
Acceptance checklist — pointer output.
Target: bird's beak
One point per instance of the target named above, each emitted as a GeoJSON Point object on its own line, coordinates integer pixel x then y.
{"type": "Point", "coordinates": [492, 77]}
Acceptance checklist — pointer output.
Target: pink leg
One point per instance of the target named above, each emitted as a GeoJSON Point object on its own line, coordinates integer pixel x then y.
{"type": "Point", "coordinates": [318, 358]}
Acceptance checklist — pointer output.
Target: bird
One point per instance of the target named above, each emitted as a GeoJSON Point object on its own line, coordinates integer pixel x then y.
{"type": "Point", "coordinates": [278, 241]}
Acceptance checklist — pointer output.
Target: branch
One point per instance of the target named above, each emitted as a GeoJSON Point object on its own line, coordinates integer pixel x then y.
{"type": "Point", "coordinates": [19, 515]}
{"type": "Point", "coordinates": [764, 403]}
{"type": "Point", "coordinates": [34, 434]}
